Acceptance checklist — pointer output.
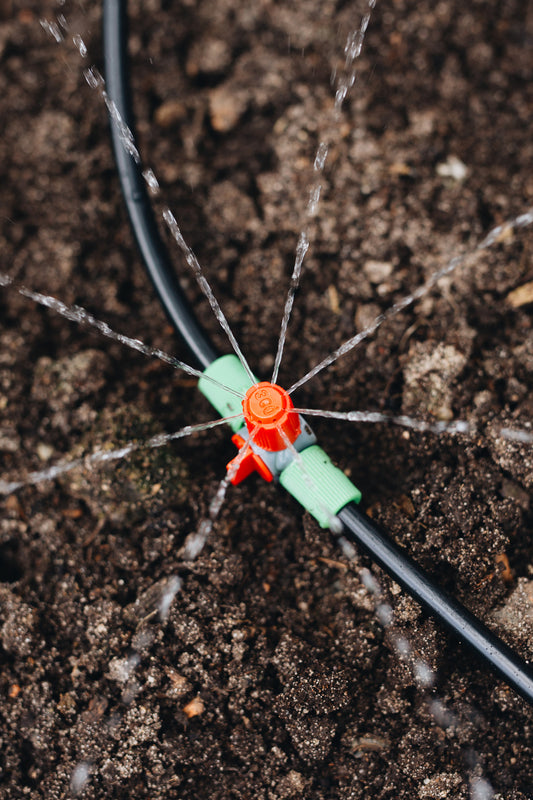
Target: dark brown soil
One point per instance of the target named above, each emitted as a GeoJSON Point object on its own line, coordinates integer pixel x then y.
{"type": "Point", "coordinates": [299, 693]}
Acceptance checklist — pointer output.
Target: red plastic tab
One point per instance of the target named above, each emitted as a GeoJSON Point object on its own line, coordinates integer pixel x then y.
{"type": "Point", "coordinates": [249, 463]}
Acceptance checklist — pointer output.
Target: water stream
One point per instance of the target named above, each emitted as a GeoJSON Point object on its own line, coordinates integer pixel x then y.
{"type": "Point", "coordinates": [424, 676]}
{"type": "Point", "coordinates": [453, 427]}
{"type": "Point", "coordinates": [105, 456]}
{"type": "Point", "coordinates": [345, 81]}
{"type": "Point", "coordinates": [127, 139]}
{"type": "Point", "coordinates": [196, 541]}
{"type": "Point", "coordinates": [480, 788]}
{"type": "Point", "coordinates": [84, 317]}
{"type": "Point", "coordinates": [496, 234]}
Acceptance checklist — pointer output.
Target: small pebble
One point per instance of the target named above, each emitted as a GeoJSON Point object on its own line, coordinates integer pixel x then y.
{"type": "Point", "coordinates": [194, 708]}
{"type": "Point", "coordinates": [225, 109]}
{"type": "Point", "coordinates": [452, 168]}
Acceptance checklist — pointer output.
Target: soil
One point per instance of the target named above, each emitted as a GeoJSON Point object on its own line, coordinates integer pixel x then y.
{"type": "Point", "coordinates": [271, 676]}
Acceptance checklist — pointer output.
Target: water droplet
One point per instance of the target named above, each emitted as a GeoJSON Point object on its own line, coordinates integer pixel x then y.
{"type": "Point", "coordinates": [194, 545]}
{"type": "Point", "coordinates": [80, 44]}
{"type": "Point", "coordinates": [423, 674]}
{"type": "Point", "coordinates": [167, 596]}
{"type": "Point", "coordinates": [340, 96]}
{"type": "Point", "coordinates": [314, 199]}
{"type": "Point", "coordinates": [335, 525]}
{"type": "Point", "coordinates": [93, 77]}
{"type": "Point", "coordinates": [480, 789]}
{"type": "Point", "coordinates": [302, 247]}
{"type": "Point", "coordinates": [517, 436]}
{"type": "Point", "coordinates": [347, 548]}
{"type": "Point", "coordinates": [370, 582]}
{"type": "Point", "coordinates": [321, 155]}
{"type": "Point", "coordinates": [441, 714]}
{"type": "Point", "coordinates": [52, 29]}
{"type": "Point", "coordinates": [121, 669]}
{"type": "Point", "coordinates": [80, 776]}
{"type": "Point", "coordinates": [151, 180]}
{"type": "Point", "coordinates": [384, 614]}
{"type": "Point", "coordinates": [402, 646]}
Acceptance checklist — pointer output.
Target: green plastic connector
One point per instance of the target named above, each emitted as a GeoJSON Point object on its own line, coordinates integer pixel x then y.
{"type": "Point", "coordinates": [323, 489]}
{"type": "Point", "coordinates": [229, 371]}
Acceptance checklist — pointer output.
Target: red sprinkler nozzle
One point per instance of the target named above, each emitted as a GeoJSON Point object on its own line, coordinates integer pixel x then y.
{"type": "Point", "coordinates": [269, 415]}
{"type": "Point", "coordinates": [268, 410]}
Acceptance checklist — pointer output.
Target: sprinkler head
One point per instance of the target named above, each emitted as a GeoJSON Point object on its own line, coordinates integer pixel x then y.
{"type": "Point", "coordinates": [268, 410]}
{"type": "Point", "coordinates": [270, 417]}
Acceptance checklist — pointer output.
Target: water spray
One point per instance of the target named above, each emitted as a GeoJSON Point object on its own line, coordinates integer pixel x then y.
{"type": "Point", "coordinates": [285, 450]}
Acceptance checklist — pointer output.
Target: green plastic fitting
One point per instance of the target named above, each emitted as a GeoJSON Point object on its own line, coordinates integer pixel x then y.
{"type": "Point", "coordinates": [229, 371]}
{"type": "Point", "coordinates": [318, 485]}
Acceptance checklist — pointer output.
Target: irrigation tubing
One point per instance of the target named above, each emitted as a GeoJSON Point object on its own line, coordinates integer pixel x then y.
{"type": "Point", "coordinates": [133, 185]}
{"type": "Point", "coordinates": [363, 532]}
{"type": "Point", "coordinates": [358, 528]}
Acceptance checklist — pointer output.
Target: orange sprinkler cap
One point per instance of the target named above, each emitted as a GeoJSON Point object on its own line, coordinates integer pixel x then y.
{"type": "Point", "coordinates": [267, 410]}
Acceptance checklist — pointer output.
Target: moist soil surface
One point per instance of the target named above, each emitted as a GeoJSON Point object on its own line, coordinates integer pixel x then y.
{"type": "Point", "coordinates": [270, 676]}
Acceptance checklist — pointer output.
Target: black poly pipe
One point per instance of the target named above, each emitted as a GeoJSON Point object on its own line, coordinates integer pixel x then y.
{"type": "Point", "coordinates": [152, 249]}
{"type": "Point", "coordinates": [364, 533]}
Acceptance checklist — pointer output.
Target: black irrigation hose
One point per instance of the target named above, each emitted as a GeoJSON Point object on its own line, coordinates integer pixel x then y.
{"type": "Point", "coordinates": [358, 527]}
{"type": "Point", "coordinates": [153, 251]}
{"type": "Point", "coordinates": [360, 530]}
